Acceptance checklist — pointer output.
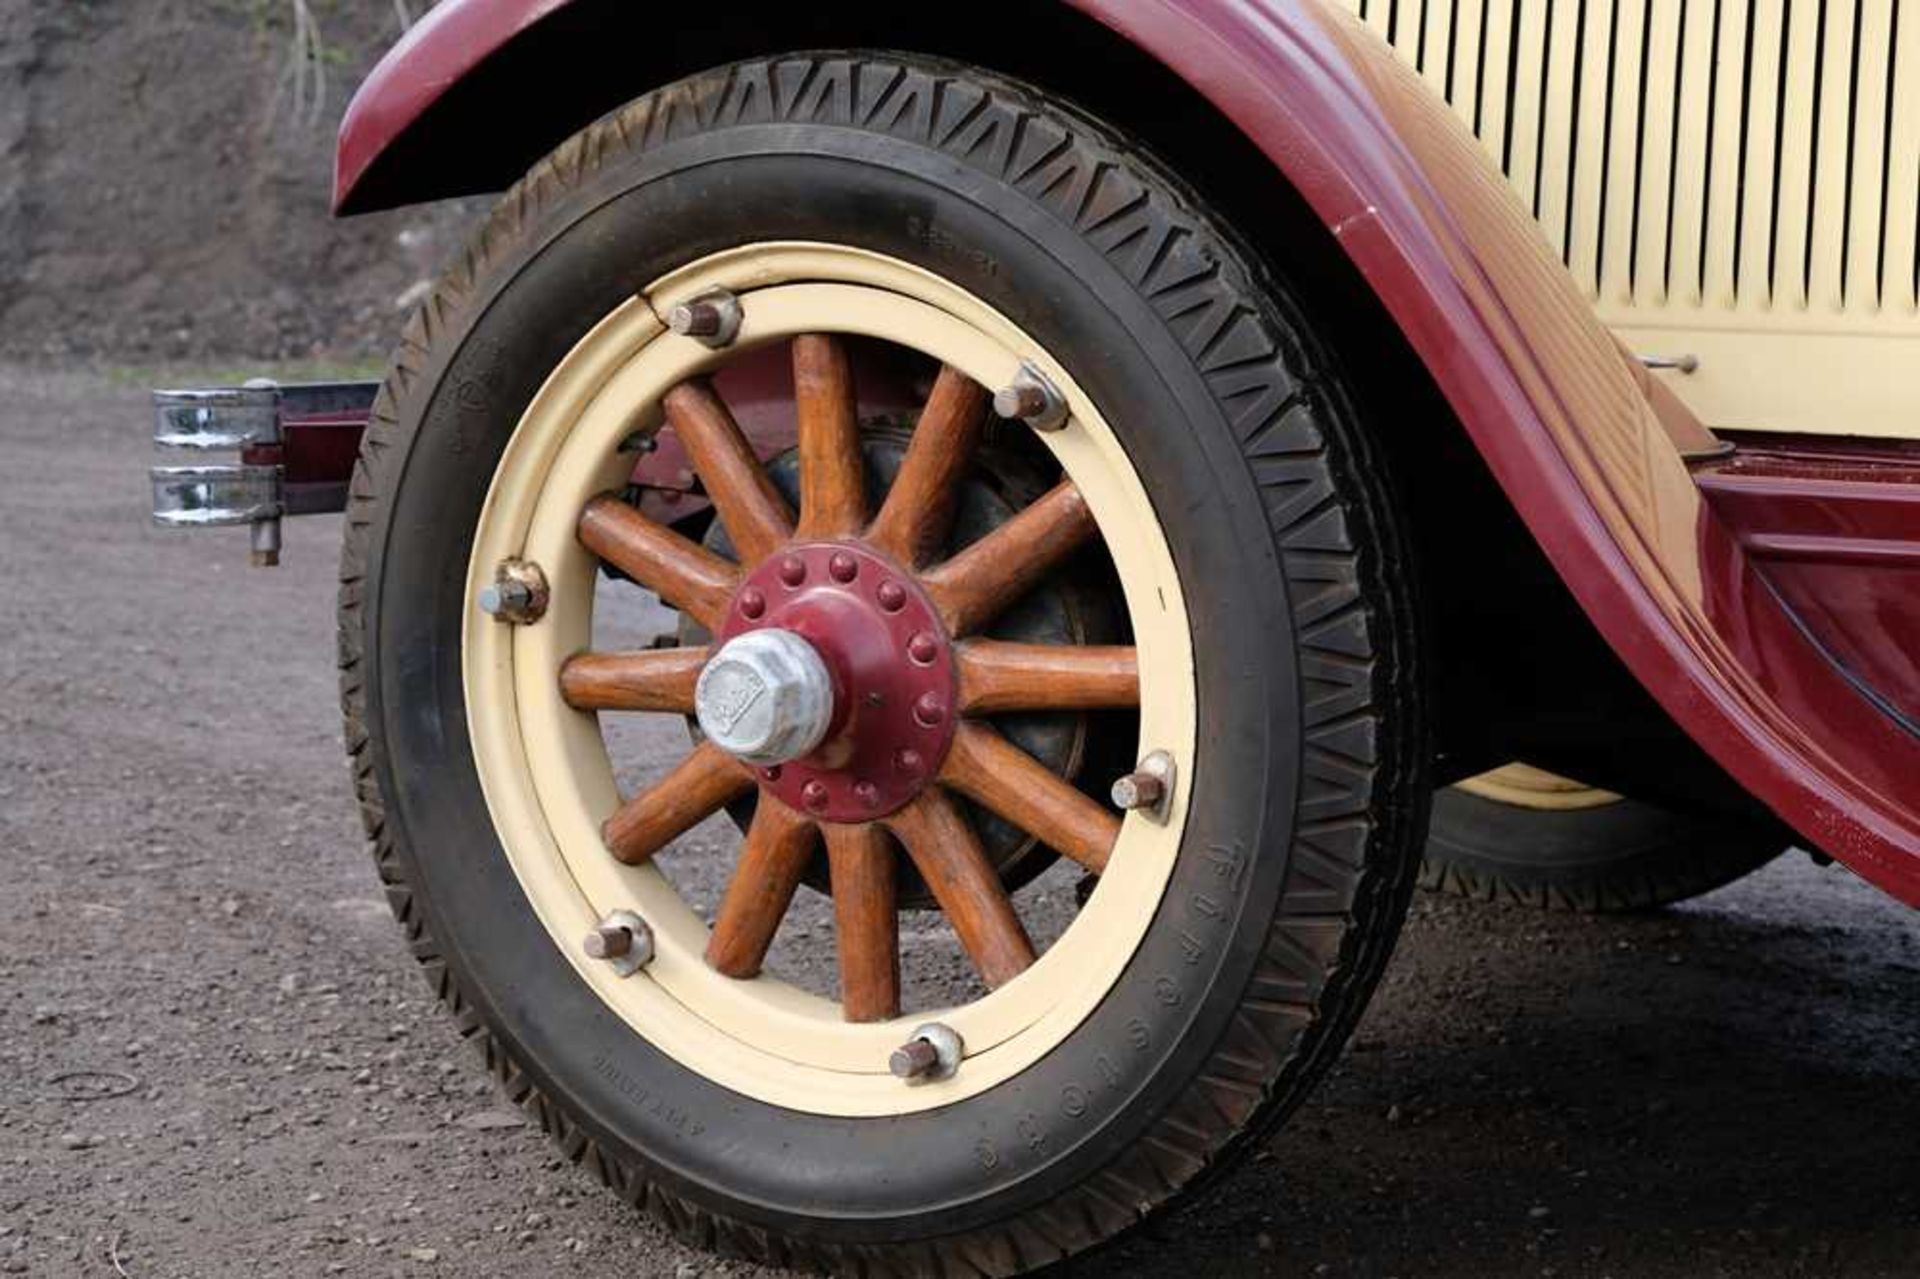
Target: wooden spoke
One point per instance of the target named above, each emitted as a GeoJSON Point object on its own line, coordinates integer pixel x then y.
{"type": "Point", "coordinates": [996, 676]}
{"type": "Point", "coordinates": [683, 573]}
{"type": "Point", "coordinates": [656, 680]}
{"type": "Point", "coordinates": [948, 854]}
{"type": "Point", "coordinates": [772, 858]}
{"type": "Point", "coordinates": [913, 521]}
{"type": "Point", "coordinates": [833, 499]}
{"type": "Point", "coordinates": [866, 925]}
{"type": "Point", "coordinates": [998, 775]}
{"type": "Point", "coordinates": [973, 587]}
{"type": "Point", "coordinates": [698, 787]}
{"type": "Point", "coordinates": [755, 515]}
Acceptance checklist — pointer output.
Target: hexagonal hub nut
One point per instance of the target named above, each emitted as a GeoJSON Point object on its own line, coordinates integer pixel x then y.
{"type": "Point", "coordinates": [766, 697]}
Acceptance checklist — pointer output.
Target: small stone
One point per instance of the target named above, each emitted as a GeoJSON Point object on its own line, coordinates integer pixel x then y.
{"type": "Point", "coordinates": [423, 1254]}
{"type": "Point", "coordinates": [1539, 1212]}
{"type": "Point", "coordinates": [1263, 1241]}
{"type": "Point", "coordinates": [290, 984]}
{"type": "Point", "coordinates": [1395, 1114]}
{"type": "Point", "coordinates": [535, 1220]}
{"type": "Point", "coordinates": [231, 906]}
{"type": "Point", "coordinates": [77, 1141]}
{"type": "Point", "coordinates": [489, 1120]}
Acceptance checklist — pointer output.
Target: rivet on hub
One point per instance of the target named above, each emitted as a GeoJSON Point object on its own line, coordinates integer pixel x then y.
{"type": "Point", "coordinates": [923, 648]}
{"type": "Point", "coordinates": [1148, 789]}
{"type": "Point", "coordinates": [843, 567]}
{"type": "Point", "coordinates": [752, 604]}
{"type": "Point", "coordinates": [933, 1053]}
{"type": "Point", "coordinates": [623, 941]}
{"type": "Point", "coordinates": [793, 570]}
{"type": "Point", "coordinates": [892, 596]}
{"type": "Point", "coordinates": [929, 710]}
{"type": "Point", "coordinates": [517, 594]}
{"type": "Point", "coordinates": [1033, 399]}
{"type": "Point", "coordinates": [712, 319]}
{"type": "Point", "coordinates": [909, 762]}
{"type": "Point", "coordinates": [867, 793]}
{"type": "Point", "coordinates": [814, 795]}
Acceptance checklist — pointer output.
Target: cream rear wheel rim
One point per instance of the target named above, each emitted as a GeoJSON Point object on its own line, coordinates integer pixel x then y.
{"type": "Point", "coordinates": [544, 766]}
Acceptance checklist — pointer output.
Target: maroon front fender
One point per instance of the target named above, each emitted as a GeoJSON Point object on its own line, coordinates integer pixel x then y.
{"type": "Point", "coordinates": [1540, 386]}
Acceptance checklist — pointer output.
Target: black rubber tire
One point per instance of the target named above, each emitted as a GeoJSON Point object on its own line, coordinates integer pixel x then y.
{"type": "Point", "coordinates": [1309, 792]}
{"type": "Point", "coordinates": [1610, 859]}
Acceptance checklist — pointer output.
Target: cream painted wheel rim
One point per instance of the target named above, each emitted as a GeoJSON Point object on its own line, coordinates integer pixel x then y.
{"type": "Point", "coordinates": [1524, 786]}
{"type": "Point", "coordinates": [544, 766]}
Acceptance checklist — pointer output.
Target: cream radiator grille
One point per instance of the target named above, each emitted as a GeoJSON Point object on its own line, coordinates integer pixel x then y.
{"type": "Point", "coordinates": [1735, 179]}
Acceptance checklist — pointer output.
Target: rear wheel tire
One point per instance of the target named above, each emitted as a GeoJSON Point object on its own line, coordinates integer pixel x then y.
{"type": "Point", "coordinates": [1526, 837]}
{"type": "Point", "coordinates": [1300, 802]}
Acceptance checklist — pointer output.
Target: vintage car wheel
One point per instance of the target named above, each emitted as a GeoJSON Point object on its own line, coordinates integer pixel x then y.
{"type": "Point", "coordinates": [1522, 834]}
{"type": "Point", "coordinates": [901, 1103]}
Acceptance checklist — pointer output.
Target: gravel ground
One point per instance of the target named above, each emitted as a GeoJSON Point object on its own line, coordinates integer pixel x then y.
{"type": "Point", "coordinates": [215, 1059]}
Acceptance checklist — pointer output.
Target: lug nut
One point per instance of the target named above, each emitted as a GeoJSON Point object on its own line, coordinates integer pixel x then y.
{"type": "Point", "coordinates": [923, 648]}
{"type": "Point", "coordinates": [892, 596]}
{"type": "Point", "coordinates": [934, 1052]}
{"type": "Point", "coordinates": [908, 761]}
{"type": "Point", "coordinates": [814, 795]}
{"type": "Point", "coordinates": [1033, 399]}
{"type": "Point", "coordinates": [929, 710]}
{"type": "Point", "coordinates": [793, 570]}
{"type": "Point", "coordinates": [752, 603]}
{"type": "Point", "coordinates": [712, 319]}
{"type": "Point", "coordinates": [867, 793]}
{"type": "Point", "coordinates": [843, 567]}
{"type": "Point", "coordinates": [608, 941]}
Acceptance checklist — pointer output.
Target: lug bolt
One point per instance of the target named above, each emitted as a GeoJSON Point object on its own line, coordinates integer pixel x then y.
{"type": "Point", "coordinates": [914, 1060]}
{"type": "Point", "coordinates": [923, 648]}
{"type": "Point", "coordinates": [712, 319]}
{"type": "Point", "coordinates": [608, 941]}
{"type": "Point", "coordinates": [867, 793]}
{"type": "Point", "coordinates": [771, 772]}
{"type": "Point", "coordinates": [622, 941]}
{"type": "Point", "coordinates": [892, 596]}
{"type": "Point", "coordinates": [793, 570]}
{"type": "Point", "coordinates": [929, 710]}
{"type": "Point", "coordinates": [498, 599]}
{"type": "Point", "coordinates": [1148, 787]}
{"type": "Point", "coordinates": [1138, 790]}
{"type": "Point", "coordinates": [909, 762]}
{"type": "Point", "coordinates": [843, 567]}
{"type": "Point", "coordinates": [517, 594]}
{"type": "Point", "coordinates": [933, 1052]}
{"type": "Point", "coordinates": [1033, 399]}
{"type": "Point", "coordinates": [814, 795]}
{"type": "Point", "coordinates": [752, 603]}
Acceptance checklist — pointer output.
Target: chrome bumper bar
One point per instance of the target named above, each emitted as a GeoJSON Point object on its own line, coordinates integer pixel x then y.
{"type": "Point", "coordinates": [296, 446]}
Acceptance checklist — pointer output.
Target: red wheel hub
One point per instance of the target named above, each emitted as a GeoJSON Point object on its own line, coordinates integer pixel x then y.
{"type": "Point", "coordinates": [891, 664]}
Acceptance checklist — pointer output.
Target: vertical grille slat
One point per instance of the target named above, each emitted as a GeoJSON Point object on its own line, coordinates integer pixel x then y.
{"type": "Point", "coordinates": [1723, 175]}
{"type": "Point", "coordinates": [1902, 220]}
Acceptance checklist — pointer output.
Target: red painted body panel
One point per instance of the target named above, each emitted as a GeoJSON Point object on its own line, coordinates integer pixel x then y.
{"type": "Point", "coordinates": [451, 40]}
{"type": "Point", "coordinates": [1539, 385]}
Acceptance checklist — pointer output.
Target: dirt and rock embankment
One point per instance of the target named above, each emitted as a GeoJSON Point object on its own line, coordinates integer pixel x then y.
{"type": "Point", "coordinates": [164, 177]}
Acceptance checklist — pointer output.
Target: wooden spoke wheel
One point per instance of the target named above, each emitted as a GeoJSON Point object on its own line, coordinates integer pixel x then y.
{"type": "Point", "coordinates": [824, 931]}
{"type": "Point", "coordinates": [851, 684]}
{"type": "Point", "coordinates": [900, 723]}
